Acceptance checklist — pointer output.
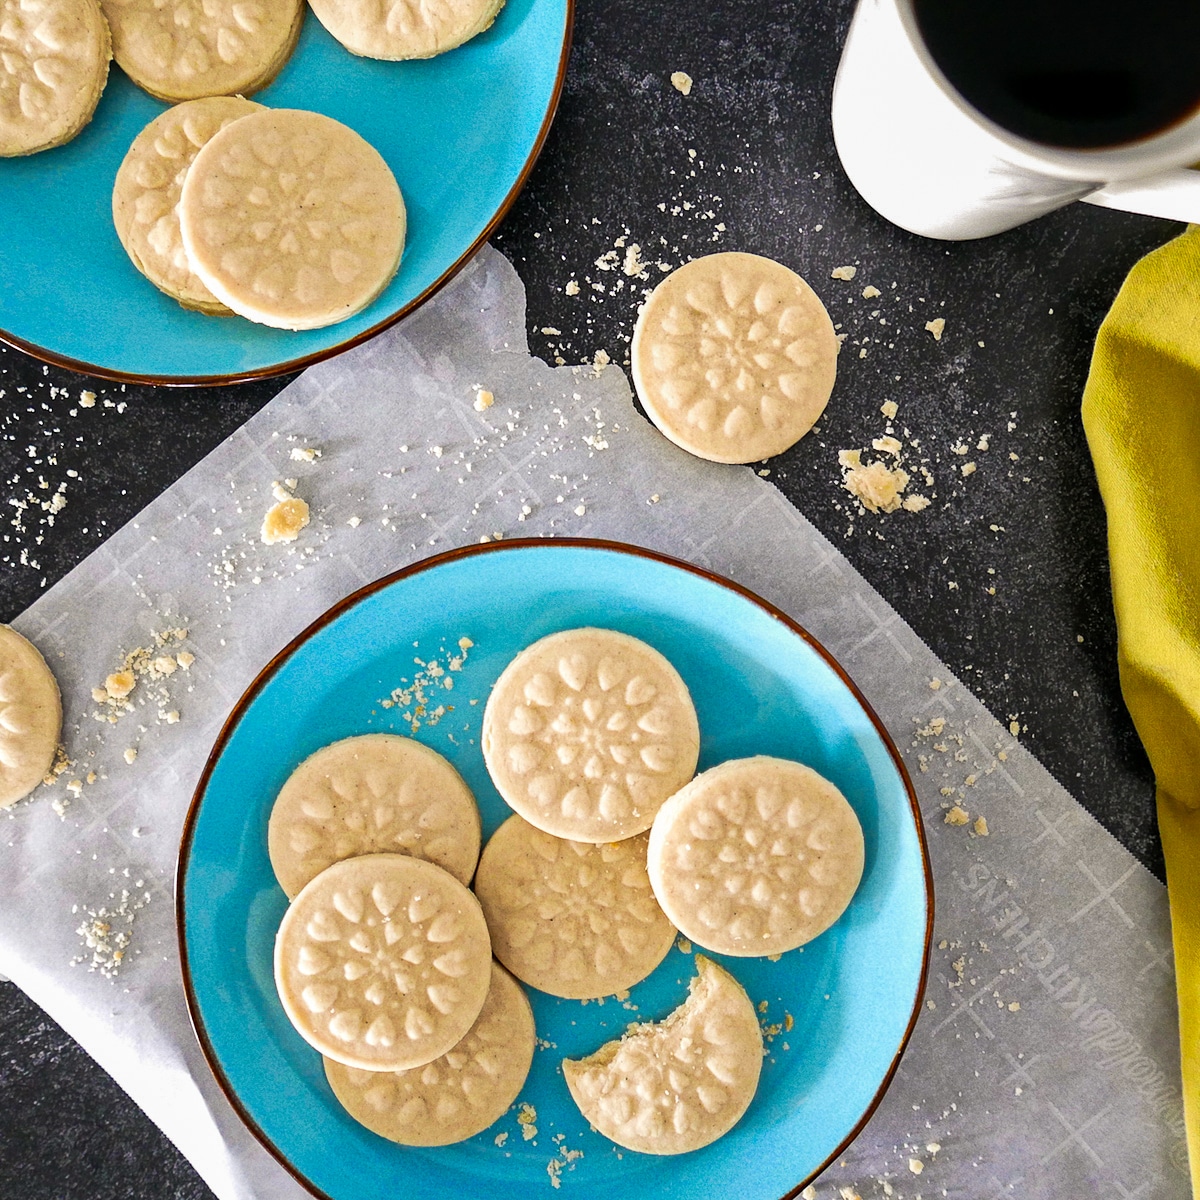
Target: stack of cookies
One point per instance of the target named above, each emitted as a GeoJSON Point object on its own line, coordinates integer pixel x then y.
{"type": "Point", "coordinates": [285, 217]}
{"type": "Point", "coordinates": [384, 960]}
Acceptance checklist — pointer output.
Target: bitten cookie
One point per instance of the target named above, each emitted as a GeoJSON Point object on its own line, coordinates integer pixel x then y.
{"type": "Point", "coordinates": [682, 1083]}
{"type": "Point", "coordinates": [30, 717]}
{"type": "Point", "coordinates": [458, 1095]}
{"type": "Point", "coordinates": [755, 856]}
{"type": "Point", "coordinates": [54, 57]}
{"type": "Point", "coordinates": [185, 49]}
{"type": "Point", "coordinates": [147, 189]}
{"type": "Point", "coordinates": [383, 962]}
{"type": "Point", "coordinates": [574, 919]}
{"type": "Point", "coordinates": [587, 732]}
{"type": "Point", "coordinates": [291, 219]}
{"type": "Point", "coordinates": [400, 29]}
{"type": "Point", "coordinates": [379, 793]}
{"type": "Point", "coordinates": [734, 357]}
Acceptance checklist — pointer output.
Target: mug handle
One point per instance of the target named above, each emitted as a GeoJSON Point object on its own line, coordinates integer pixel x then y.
{"type": "Point", "coordinates": [1174, 195]}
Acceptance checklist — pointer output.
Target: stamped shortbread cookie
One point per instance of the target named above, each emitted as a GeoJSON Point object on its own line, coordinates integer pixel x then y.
{"type": "Point", "coordinates": [574, 919]}
{"type": "Point", "coordinates": [587, 732]}
{"type": "Point", "coordinates": [30, 716]}
{"type": "Point", "coordinates": [734, 357]}
{"type": "Point", "coordinates": [146, 194]}
{"type": "Point", "coordinates": [458, 1095]}
{"type": "Point", "coordinates": [675, 1086]}
{"type": "Point", "coordinates": [383, 962]}
{"type": "Point", "coordinates": [186, 49]}
{"type": "Point", "coordinates": [291, 219]}
{"type": "Point", "coordinates": [54, 57]}
{"type": "Point", "coordinates": [755, 856]}
{"type": "Point", "coordinates": [399, 29]}
{"type": "Point", "coordinates": [379, 793]}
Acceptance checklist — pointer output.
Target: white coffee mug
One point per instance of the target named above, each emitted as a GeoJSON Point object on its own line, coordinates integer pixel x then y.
{"type": "Point", "coordinates": [922, 157]}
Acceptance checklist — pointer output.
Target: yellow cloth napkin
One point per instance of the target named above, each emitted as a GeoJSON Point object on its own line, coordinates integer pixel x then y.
{"type": "Point", "coordinates": [1141, 412]}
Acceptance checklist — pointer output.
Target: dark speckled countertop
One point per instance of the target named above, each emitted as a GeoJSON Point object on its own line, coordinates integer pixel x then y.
{"type": "Point", "coordinates": [745, 162]}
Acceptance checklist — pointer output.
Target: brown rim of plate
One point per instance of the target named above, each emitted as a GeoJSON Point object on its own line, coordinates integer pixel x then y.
{"type": "Point", "coordinates": [348, 602]}
{"type": "Point", "coordinates": [308, 360]}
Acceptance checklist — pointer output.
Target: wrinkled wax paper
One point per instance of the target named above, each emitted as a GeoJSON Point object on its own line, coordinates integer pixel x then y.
{"type": "Point", "coordinates": [1044, 1063]}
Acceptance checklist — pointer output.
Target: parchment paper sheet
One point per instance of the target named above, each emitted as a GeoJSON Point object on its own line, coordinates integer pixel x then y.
{"type": "Point", "coordinates": [1045, 1062]}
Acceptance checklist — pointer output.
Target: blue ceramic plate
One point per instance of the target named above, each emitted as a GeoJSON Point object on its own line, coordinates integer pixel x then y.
{"type": "Point", "coordinates": [460, 132]}
{"type": "Point", "coordinates": [838, 1011]}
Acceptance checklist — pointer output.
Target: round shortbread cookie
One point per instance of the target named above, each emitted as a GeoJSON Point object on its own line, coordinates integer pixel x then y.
{"type": "Point", "coordinates": [734, 357]}
{"type": "Point", "coordinates": [587, 732]}
{"type": "Point", "coordinates": [375, 794]}
{"type": "Point", "coordinates": [675, 1086]}
{"type": "Point", "coordinates": [291, 219]}
{"type": "Point", "coordinates": [574, 919]}
{"type": "Point", "coordinates": [30, 716]}
{"type": "Point", "coordinates": [458, 1095]}
{"type": "Point", "coordinates": [186, 49]}
{"type": "Point", "coordinates": [54, 57]}
{"type": "Point", "coordinates": [755, 856]}
{"type": "Point", "coordinates": [146, 194]}
{"type": "Point", "coordinates": [383, 962]}
{"type": "Point", "coordinates": [400, 29]}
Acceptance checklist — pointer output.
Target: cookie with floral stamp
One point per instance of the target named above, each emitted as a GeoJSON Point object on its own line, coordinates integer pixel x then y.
{"type": "Point", "coordinates": [383, 962]}
{"type": "Point", "coordinates": [373, 794]}
{"type": "Point", "coordinates": [54, 57]}
{"type": "Point", "coordinates": [291, 219]}
{"type": "Point", "coordinates": [148, 186]}
{"type": "Point", "coordinates": [680, 1084]}
{"type": "Point", "coordinates": [574, 919]}
{"type": "Point", "coordinates": [587, 732]}
{"type": "Point", "coordinates": [734, 357]}
{"type": "Point", "coordinates": [755, 856]}
{"type": "Point", "coordinates": [404, 29]}
{"type": "Point", "coordinates": [185, 49]}
{"type": "Point", "coordinates": [30, 716]}
{"type": "Point", "coordinates": [458, 1095]}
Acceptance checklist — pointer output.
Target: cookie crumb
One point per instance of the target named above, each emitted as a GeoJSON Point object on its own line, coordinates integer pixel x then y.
{"type": "Point", "coordinates": [889, 408]}
{"type": "Point", "coordinates": [916, 1166]}
{"type": "Point", "coordinates": [957, 816]}
{"type": "Point", "coordinates": [846, 273]}
{"type": "Point", "coordinates": [937, 326]}
{"type": "Point", "coordinates": [915, 503]}
{"type": "Point", "coordinates": [484, 400]}
{"type": "Point", "coordinates": [572, 288]}
{"type": "Point", "coordinates": [119, 684]}
{"type": "Point", "coordinates": [130, 755]}
{"type": "Point", "coordinates": [305, 454]}
{"type": "Point", "coordinates": [869, 292]}
{"type": "Point", "coordinates": [284, 520]}
{"type": "Point", "coordinates": [681, 81]}
{"type": "Point", "coordinates": [87, 399]}
{"type": "Point", "coordinates": [875, 486]}
{"type": "Point", "coordinates": [981, 826]}
{"type": "Point", "coordinates": [501, 1138]}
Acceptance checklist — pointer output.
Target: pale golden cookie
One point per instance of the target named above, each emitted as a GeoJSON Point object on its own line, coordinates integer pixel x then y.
{"type": "Point", "coordinates": [755, 856]}
{"type": "Point", "coordinates": [587, 732]}
{"type": "Point", "coordinates": [146, 194]}
{"type": "Point", "coordinates": [734, 357]}
{"type": "Point", "coordinates": [291, 219]}
{"type": "Point", "coordinates": [185, 49]}
{"type": "Point", "coordinates": [30, 716]}
{"type": "Point", "coordinates": [400, 29]}
{"type": "Point", "coordinates": [383, 962]}
{"type": "Point", "coordinates": [458, 1095]}
{"type": "Point", "coordinates": [571, 918]}
{"type": "Point", "coordinates": [54, 57]}
{"type": "Point", "coordinates": [682, 1083]}
{"type": "Point", "coordinates": [374, 794]}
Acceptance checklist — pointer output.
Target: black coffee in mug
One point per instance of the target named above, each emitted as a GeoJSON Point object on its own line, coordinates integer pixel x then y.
{"type": "Point", "coordinates": [1072, 73]}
